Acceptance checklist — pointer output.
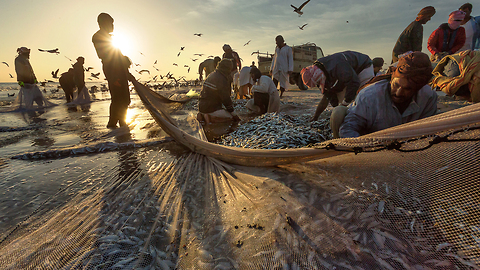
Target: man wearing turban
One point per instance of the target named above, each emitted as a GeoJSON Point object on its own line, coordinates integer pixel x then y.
{"type": "Point", "coordinates": [448, 38]}
{"type": "Point", "coordinates": [215, 104]}
{"type": "Point", "coordinates": [412, 37]}
{"type": "Point", "coordinates": [338, 76]}
{"type": "Point", "coordinates": [403, 97]}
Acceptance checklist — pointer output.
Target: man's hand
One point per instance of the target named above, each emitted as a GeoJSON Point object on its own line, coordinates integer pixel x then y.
{"type": "Point", "coordinates": [344, 103]}
{"type": "Point", "coordinates": [21, 84]}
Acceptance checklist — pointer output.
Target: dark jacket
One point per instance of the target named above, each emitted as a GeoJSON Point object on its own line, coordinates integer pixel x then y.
{"type": "Point", "coordinates": [341, 70]}
{"type": "Point", "coordinates": [445, 39]}
{"type": "Point", "coordinates": [215, 93]}
{"type": "Point", "coordinates": [410, 39]}
{"type": "Point", "coordinates": [79, 76]}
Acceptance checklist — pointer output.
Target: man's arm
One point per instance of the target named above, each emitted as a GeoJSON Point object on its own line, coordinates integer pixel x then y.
{"type": "Point", "coordinates": [348, 76]}
{"type": "Point", "coordinates": [430, 106]}
{"type": "Point", "coordinates": [355, 123]}
{"type": "Point", "coordinates": [432, 42]}
{"type": "Point", "coordinates": [200, 71]}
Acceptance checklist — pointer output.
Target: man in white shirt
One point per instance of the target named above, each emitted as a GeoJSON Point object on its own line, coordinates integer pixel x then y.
{"type": "Point", "coordinates": [472, 29]}
{"type": "Point", "coordinates": [282, 64]}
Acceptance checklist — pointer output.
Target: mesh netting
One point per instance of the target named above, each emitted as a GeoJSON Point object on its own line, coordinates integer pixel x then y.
{"type": "Point", "coordinates": [368, 203]}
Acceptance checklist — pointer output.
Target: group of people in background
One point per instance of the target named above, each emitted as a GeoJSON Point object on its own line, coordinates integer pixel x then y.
{"type": "Point", "coordinates": [381, 100]}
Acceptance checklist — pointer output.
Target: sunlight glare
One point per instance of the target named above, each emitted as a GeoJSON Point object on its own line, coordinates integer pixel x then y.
{"type": "Point", "coordinates": [122, 42]}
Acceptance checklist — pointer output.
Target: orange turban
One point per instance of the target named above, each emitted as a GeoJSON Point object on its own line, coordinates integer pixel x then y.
{"type": "Point", "coordinates": [415, 67]}
{"type": "Point", "coordinates": [426, 12]}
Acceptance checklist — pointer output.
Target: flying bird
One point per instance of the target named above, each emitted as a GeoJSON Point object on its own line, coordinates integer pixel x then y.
{"type": "Point", "coordinates": [199, 54]}
{"type": "Point", "coordinates": [210, 56]}
{"type": "Point", "coordinates": [181, 48]}
{"type": "Point", "coordinates": [88, 68]}
{"type": "Point", "coordinates": [10, 75]}
{"type": "Point", "coordinates": [141, 53]}
{"type": "Point", "coordinates": [55, 51]}
{"type": "Point", "coordinates": [5, 64]}
{"type": "Point", "coordinates": [248, 42]}
{"type": "Point", "coordinates": [188, 70]}
{"type": "Point", "coordinates": [175, 64]}
{"type": "Point", "coordinates": [155, 78]}
{"type": "Point", "coordinates": [179, 54]}
{"type": "Point", "coordinates": [143, 70]}
{"type": "Point", "coordinates": [95, 75]}
{"type": "Point", "coordinates": [301, 27]}
{"type": "Point", "coordinates": [200, 34]}
{"type": "Point", "coordinates": [137, 65]}
{"type": "Point", "coordinates": [155, 62]}
{"type": "Point", "coordinates": [55, 74]}
{"type": "Point", "coordinates": [347, 21]}
{"type": "Point", "coordinates": [299, 9]}
{"type": "Point", "coordinates": [185, 65]}
{"type": "Point", "coordinates": [10, 95]}
{"type": "Point", "coordinates": [194, 59]}
{"type": "Point", "coordinates": [156, 68]}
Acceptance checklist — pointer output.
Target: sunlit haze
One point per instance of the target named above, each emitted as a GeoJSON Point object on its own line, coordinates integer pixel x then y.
{"type": "Point", "coordinates": [154, 30]}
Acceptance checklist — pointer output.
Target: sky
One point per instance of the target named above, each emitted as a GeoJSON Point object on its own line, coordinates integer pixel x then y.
{"type": "Point", "coordinates": [155, 30]}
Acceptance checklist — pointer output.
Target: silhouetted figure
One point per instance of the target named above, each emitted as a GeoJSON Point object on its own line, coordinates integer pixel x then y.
{"type": "Point", "coordinates": [115, 68]}
{"type": "Point", "coordinates": [79, 74]}
{"type": "Point", "coordinates": [68, 84]}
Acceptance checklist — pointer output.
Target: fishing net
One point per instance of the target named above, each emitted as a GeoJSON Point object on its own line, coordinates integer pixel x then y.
{"type": "Point", "coordinates": [403, 198]}
{"type": "Point", "coordinates": [29, 98]}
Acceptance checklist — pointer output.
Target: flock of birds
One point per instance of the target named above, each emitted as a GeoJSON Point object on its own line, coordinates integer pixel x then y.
{"type": "Point", "coordinates": [173, 81]}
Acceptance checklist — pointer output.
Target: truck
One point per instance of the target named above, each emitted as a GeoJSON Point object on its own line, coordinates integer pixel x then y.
{"type": "Point", "coordinates": [303, 55]}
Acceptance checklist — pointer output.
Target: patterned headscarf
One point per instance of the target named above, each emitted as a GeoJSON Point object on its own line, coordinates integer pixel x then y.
{"type": "Point", "coordinates": [455, 19]}
{"type": "Point", "coordinates": [426, 12]}
{"type": "Point", "coordinates": [415, 67]}
{"type": "Point", "coordinates": [313, 76]}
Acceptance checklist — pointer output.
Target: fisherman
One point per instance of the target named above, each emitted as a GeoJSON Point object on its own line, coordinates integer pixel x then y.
{"type": "Point", "coordinates": [208, 66]}
{"type": "Point", "coordinates": [79, 74]}
{"type": "Point", "coordinates": [265, 94]}
{"type": "Point", "coordinates": [67, 82]}
{"type": "Point", "coordinates": [115, 68]}
{"type": "Point", "coordinates": [234, 57]}
{"type": "Point", "coordinates": [338, 76]}
{"type": "Point", "coordinates": [377, 63]}
{"type": "Point", "coordinates": [402, 97]}
{"type": "Point", "coordinates": [245, 82]}
{"type": "Point", "coordinates": [472, 28]}
{"type": "Point", "coordinates": [282, 64]}
{"type": "Point", "coordinates": [448, 38]}
{"type": "Point", "coordinates": [29, 91]}
{"type": "Point", "coordinates": [215, 104]}
{"type": "Point", "coordinates": [412, 37]}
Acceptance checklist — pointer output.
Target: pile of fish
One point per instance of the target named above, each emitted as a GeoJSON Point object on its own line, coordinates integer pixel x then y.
{"type": "Point", "coordinates": [279, 131]}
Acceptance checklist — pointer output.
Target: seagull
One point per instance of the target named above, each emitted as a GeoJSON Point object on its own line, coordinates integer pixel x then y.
{"type": "Point", "coordinates": [199, 54]}
{"type": "Point", "coordinates": [95, 75]}
{"type": "Point", "coordinates": [301, 27]}
{"type": "Point", "coordinates": [55, 51]}
{"type": "Point", "coordinates": [155, 62]}
{"type": "Point", "coordinates": [188, 70]}
{"type": "Point", "coordinates": [175, 64]}
{"type": "Point", "coordinates": [55, 73]}
{"type": "Point", "coordinates": [181, 48]}
{"type": "Point", "coordinates": [248, 42]}
{"type": "Point", "coordinates": [10, 95]}
{"type": "Point", "coordinates": [156, 68]}
{"type": "Point", "coordinates": [88, 69]}
{"type": "Point", "coordinates": [143, 70]}
{"type": "Point", "coordinates": [5, 64]}
{"type": "Point", "coordinates": [185, 65]}
{"type": "Point", "coordinates": [179, 54]}
{"type": "Point", "coordinates": [137, 65]}
{"type": "Point", "coordinates": [141, 53]}
{"type": "Point", "coordinates": [10, 75]}
{"type": "Point", "coordinates": [200, 34]}
{"type": "Point", "coordinates": [299, 9]}
{"type": "Point", "coordinates": [194, 59]}
{"type": "Point", "coordinates": [155, 78]}
{"type": "Point", "coordinates": [210, 56]}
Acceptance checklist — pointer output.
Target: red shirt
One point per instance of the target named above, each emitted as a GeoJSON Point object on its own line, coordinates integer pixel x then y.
{"type": "Point", "coordinates": [436, 40]}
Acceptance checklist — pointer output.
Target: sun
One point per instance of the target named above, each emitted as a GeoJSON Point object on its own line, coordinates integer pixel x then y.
{"type": "Point", "coordinates": [122, 42]}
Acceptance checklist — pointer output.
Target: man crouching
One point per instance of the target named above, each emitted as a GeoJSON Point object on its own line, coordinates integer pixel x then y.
{"type": "Point", "coordinates": [404, 97]}
{"type": "Point", "coordinates": [215, 104]}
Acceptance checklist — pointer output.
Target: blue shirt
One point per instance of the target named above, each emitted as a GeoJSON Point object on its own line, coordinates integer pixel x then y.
{"type": "Point", "coordinates": [374, 110]}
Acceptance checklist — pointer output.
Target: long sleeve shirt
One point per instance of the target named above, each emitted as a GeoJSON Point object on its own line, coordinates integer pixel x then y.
{"type": "Point", "coordinates": [266, 85]}
{"type": "Point", "coordinates": [24, 70]}
{"type": "Point", "coordinates": [444, 39]}
{"type": "Point", "coordinates": [374, 110]}
{"type": "Point", "coordinates": [215, 94]}
{"type": "Point", "coordinates": [282, 61]}
{"type": "Point", "coordinates": [410, 39]}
